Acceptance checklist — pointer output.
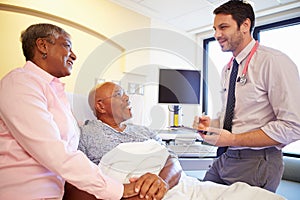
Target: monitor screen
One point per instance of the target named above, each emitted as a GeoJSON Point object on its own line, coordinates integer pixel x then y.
{"type": "Point", "coordinates": [179, 86]}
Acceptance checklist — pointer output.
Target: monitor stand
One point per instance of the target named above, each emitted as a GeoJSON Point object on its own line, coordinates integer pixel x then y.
{"type": "Point", "coordinates": [175, 115]}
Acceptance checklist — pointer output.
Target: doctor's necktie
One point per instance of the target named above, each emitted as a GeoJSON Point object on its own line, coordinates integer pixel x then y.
{"type": "Point", "coordinates": [230, 103]}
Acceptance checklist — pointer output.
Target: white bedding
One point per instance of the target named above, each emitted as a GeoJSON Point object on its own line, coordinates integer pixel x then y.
{"type": "Point", "coordinates": [134, 159]}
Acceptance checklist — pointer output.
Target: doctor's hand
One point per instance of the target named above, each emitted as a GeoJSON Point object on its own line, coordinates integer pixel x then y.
{"type": "Point", "coordinates": [218, 137]}
{"type": "Point", "coordinates": [150, 186]}
{"type": "Point", "coordinates": [201, 123]}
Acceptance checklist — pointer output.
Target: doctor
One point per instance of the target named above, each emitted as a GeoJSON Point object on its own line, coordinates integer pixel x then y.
{"type": "Point", "coordinates": [265, 114]}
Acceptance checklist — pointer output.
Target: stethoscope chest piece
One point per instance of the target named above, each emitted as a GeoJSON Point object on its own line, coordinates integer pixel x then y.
{"type": "Point", "coordinates": [243, 79]}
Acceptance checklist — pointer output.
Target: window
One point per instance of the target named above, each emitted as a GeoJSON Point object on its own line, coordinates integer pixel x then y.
{"type": "Point", "coordinates": [215, 59]}
{"type": "Point", "coordinates": [282, 35]}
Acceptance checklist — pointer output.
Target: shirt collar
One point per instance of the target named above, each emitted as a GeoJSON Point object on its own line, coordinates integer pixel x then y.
{"type": "Point", "coordinates": [30, 66]}
{"type": "Point", "coordinates": [245, 52]}
{"type": "Point", "coordinates": [112, 127]}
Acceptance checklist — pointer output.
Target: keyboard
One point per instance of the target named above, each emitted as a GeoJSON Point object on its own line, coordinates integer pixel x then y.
{"type": "Point", "coordinates": [194, 150]}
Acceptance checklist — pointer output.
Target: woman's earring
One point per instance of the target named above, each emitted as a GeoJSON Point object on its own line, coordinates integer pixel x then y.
{"type": "Point", "coordinates": [44, 56]}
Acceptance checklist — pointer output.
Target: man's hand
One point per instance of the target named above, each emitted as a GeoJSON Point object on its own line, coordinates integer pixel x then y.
{"type": "Point", "coordinates": [171, 172]}
{"type": "Point", "coordinates": [218, 137]}
{"type": "Point", "coordinates": [221, 137]}
{"type": "Point", "coordinates": [213, 136]}
{"type": "Point", "coordinates": [201, 123]}
{"type": "Point", "coordinates": [150, 186]}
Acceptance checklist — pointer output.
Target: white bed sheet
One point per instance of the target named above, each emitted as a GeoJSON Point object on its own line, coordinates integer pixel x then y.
{"type": "Point", "coordinates": [134, 159]}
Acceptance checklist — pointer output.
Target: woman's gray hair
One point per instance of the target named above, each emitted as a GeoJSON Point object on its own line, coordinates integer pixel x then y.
{"type": "Point", "coordinates": [35, 31]}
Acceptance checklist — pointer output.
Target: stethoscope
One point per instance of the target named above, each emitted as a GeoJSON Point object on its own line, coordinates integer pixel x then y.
{"type": "Point", "coordinates": [241, 79]}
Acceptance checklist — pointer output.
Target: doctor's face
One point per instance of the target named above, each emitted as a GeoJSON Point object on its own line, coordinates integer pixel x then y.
{"type": "Point", "coordinates": [227, 33]}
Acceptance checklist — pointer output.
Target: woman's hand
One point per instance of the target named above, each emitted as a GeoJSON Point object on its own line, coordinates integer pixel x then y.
{"type": "Point", "coordinates": [148, 186]}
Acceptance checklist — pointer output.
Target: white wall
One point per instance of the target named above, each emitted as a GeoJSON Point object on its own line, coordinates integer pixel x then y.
{"type": "Point", "coordinates": [168, 48]}
{"type": "Point", "coordinates": [90, 23]}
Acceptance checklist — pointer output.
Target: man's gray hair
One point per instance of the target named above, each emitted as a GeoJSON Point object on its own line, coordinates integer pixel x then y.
{"type": "Point", "coordinates": [92, 98]}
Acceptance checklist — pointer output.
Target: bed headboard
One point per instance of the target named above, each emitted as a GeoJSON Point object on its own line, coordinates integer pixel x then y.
{"type": "Point", "coordinates": [80, 107]}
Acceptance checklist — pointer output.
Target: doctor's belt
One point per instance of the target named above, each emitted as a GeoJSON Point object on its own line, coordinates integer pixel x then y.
{"type": "Point", "coordinates": [251, 153]}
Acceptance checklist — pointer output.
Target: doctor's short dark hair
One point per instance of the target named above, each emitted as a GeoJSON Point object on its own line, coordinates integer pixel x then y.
{"type": "Point", "coordinates": [240, 11]}
{"type": "Point", "coordinates": [35, 31]}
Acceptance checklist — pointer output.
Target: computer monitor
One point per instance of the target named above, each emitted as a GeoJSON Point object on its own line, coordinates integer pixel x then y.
{"type": "Point", "coordinates": [177, 86]}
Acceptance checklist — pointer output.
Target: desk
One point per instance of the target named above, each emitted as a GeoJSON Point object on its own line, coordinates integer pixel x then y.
{"type": "Point", "coordinates": [192, 153]}
{"type": "Point", "coordinates": [191, 161]}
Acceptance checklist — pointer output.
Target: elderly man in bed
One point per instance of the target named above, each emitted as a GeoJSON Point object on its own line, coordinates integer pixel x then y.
{"type": "Point", "coordinates": [124, 150]}
{"type": "Point", "coordinates": [111, 107]}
